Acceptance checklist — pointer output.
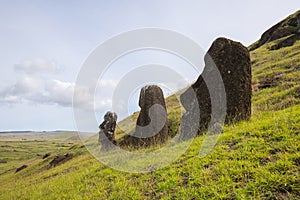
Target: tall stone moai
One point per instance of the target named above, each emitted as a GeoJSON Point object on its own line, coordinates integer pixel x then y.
{"type": "Point", "coordinates": [232, 60]}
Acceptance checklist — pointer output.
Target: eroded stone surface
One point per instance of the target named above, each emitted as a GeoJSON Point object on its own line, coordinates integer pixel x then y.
{"type": "Point", "coordinates": [233, 61]}
{"type": "Point", "coordinates": [151, 130]}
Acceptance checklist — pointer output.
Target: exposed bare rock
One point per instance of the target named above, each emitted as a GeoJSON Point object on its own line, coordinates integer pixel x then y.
{"type": "Point", "coordinates": [289, 41]}
{"type": "Point", "coordinates": [60, 159]}
{"type": "Point", "coordinates": [21, 168]}
{"type": "Point", "coordinates": [288, 26]}
{"type": "Point", "coordinates": [46, 155]}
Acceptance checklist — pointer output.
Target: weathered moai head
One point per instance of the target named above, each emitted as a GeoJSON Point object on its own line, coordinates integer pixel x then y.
{"type": "Point", "coordinates": [110, 117]}
{"type": "Point", "coordinates": [152, 122]}
{"type": "Point", "coordinates": [233, 62]}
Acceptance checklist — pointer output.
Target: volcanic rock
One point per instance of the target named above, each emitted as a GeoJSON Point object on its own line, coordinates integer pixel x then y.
{"type": "Point", "coordinates": [286, 27]}
{"type": "Point", "coordinates": [46, 155]}
{"type": "Point", "coordinates": [60, 159]}
{"type": "Point", "coordinates": [21, 168]}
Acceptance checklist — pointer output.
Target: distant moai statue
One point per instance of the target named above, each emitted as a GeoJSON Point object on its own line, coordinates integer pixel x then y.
{"type": "Point", "coordinates": [152, 122]}
{"type": "Point", "coordinates": [233, 62]}
{"type": "Point", "coordinates": [107, 131]}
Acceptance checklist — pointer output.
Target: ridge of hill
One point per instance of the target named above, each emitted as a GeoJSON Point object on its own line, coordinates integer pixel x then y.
{"type": "Point", "coordinates": [259, 159]}
{"type": "Point", "coordinates": [287, 27]}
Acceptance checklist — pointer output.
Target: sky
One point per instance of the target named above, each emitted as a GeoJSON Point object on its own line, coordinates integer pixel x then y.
{"type": "Point", "coordinates": [45, 43]}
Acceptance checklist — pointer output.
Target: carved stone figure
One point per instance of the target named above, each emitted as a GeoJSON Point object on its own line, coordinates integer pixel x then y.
{"type": "Point", "coordinates": [152, 122]}
{"type": "Point", "coordinates": [233, 62]}
{"type": "Point", "coordinates": [107, 131]}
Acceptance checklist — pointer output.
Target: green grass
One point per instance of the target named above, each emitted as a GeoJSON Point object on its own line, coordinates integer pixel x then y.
{"type": "Point", "coordinates": [42, 136]}
{"type": "Point", "coordinates": [283, 64]}
{"type": "Point", "coordinates": [256, 159]}
{"type": "Point", "coordinates": [259, 159]}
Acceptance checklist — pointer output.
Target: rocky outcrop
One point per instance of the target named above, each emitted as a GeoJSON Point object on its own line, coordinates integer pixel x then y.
{"type": "Point", "coordinates": [60, 159]}
{"type": "Point", "coordinates": [46, 155]}
{"type": "Point", "coordinates": [21, 168]}
{"type": "Point", "coordinates": [286, 27]}
{"type": "Point", "coordinates": [233, 62]}
{"type": "Point", "coordinates": [289, 41]}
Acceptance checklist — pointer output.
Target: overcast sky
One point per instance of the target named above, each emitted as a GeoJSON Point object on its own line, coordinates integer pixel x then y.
{"type": "Point", "coordinates": [44, 43]}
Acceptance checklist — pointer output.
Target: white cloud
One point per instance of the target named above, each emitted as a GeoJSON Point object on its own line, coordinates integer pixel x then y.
{"type": "Point", "coordinates": [37, 84]}
{"type": "Point", "coordinates": [27, 84]}
{"type": "Point", "coordinates": [34, 89]}
{"type": "Point", "coordinates": [98, 99]}
{"type": "Point", "coordinates": [9, 99]}
{"type": "Point", "coordinates": [38, 65]}
{"type": "Point", "coordinates": [59, 92]}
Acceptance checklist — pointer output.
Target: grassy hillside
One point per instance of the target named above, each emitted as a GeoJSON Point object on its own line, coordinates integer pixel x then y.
{"type": "Point", "coordinates": [259, 159]}
{"type": "Point", "coordinates": [42, 136]}
{"type": "Point", "coordinates": [252, 160]}
{"type": "Point", "coordinates": [276, 77]}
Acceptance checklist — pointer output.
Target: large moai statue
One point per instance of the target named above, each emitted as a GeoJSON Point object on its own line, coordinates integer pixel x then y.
{"type": "Point", "coordinates": [107, 131]}
{"type": "Point", "coordinates": [233, 62]}
{"type": "Point", "coordinates": [152, 122]}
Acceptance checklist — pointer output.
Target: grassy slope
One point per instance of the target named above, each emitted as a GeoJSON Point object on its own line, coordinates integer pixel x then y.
{"type": "Point", "coordinates": [256, 159]}
{"type": "Point", "coordinates": [42, 136]}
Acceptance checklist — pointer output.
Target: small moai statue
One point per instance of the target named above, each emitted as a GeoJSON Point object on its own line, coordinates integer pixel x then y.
{"type": "Point", "coordinates": [107, 131]}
